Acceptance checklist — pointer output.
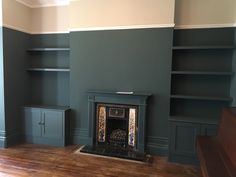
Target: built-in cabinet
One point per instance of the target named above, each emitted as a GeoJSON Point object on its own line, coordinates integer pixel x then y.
{"type": "Point", "coordinates": [46, 125]}
{"type": "Point", "coordinates": [183, 139]}
{"type": "Point", "coordinates": [46, 120]}
{"type": "Point", "coordinates": [200, 87]}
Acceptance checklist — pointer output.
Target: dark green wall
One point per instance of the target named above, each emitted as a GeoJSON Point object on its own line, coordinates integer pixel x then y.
{"type": "Point", "coordinates": [16, 83]}
{"type": "Point", "coordinates": [122, 60]}
{"type": "Point", "coordinates": [233, 81]}
{"type": "Point", "coordinates": [117, 60]}
{"type": "Point", "coordinates": [2, 101]}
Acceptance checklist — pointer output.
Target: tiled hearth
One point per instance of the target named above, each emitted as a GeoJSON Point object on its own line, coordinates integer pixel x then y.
{"type": "Point", "coordinates": [117, 124]}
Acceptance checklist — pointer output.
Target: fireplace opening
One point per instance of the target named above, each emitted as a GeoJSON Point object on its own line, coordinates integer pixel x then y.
{"type": "Point", "coordinates": [116, 126]}
{"type": "Point", "coordinates": [117, 135]}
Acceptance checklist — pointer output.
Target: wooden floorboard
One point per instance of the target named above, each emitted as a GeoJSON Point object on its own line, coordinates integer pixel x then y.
{"type": "Point", "coordinates": [45, 161]}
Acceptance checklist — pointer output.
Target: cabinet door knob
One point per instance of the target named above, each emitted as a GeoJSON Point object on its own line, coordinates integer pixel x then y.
{"type": "Point", "coordinates": [41, 123]}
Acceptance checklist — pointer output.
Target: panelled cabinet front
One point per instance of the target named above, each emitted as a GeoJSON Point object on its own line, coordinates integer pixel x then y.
{"type": "Point", "coordinates": [45, 126]}
{"type": "Point", "coordinates": [183, 140]}
{"type": "Point", "coordinates": [53, 124]}
{"type": "Point", "coordinates": [32, 120]}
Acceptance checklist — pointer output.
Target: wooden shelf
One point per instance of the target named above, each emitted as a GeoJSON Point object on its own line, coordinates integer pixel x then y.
{"type": "Point", "coordinates": [218, 73]}
{"type": "Point", "coordinates": [50, 69]}
{"type": "Point", "coordinates": [191, 119]}
{"type": "Point", "coordinates": [203, 47]}
{"type": "Point", "coordinates": [207, 98]}
{"type": "Point", "coordinates": [54, 107]}
{"type": "Point", "coordinates": [48, 49]}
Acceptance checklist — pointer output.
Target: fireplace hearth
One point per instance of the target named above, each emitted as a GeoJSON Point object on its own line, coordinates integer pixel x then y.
{"type": "Point", "coordinates": [117, 125]}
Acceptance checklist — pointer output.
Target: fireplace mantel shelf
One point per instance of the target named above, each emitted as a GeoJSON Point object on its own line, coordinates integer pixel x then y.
{"type": "Point", "coordinates": [125, 93]}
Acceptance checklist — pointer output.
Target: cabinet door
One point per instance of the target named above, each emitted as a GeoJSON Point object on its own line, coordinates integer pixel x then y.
{"type": "Point", "coordinates": [32, 121]}
{"type": "Point", "coordinates": [183, 138]}
{"type": "Point", "coordinates": [53, 124]}
{"type": "Point", "coordinates": [208, 130]}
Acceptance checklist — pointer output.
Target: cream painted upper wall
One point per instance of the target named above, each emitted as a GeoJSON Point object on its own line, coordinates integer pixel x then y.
{"type": "Point", "coordinates": [109, 13]}
{"type": "Point", "coordinates": [87, 13]}
{"type": "Point", "coordinates": [202, 12]}
{"type": "Point", "coordinates": [16, 15]}
{"type": "Point", "coordinates": [0, 12]}
{"type": "Point", "coordinates": [50, 19]}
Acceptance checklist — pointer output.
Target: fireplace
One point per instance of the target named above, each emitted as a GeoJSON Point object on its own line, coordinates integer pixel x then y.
{"type": "Point", "coordinates": [117, 124]}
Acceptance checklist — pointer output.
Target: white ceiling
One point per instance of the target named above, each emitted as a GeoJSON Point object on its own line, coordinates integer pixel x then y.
{"type": "Point", "coordinates": [43, 3]}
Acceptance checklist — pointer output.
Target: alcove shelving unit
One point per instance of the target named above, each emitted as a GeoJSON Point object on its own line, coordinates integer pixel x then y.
{"type": "Point", "coordinates": [49, 75]}
{"type": "Point", "coordinates": [200, 87]}
{"type": "Point", "coordinates": [46, 117]}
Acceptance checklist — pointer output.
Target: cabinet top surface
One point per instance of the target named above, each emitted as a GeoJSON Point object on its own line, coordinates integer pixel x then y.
{"type": "Point", "coordinates": [62, 108]}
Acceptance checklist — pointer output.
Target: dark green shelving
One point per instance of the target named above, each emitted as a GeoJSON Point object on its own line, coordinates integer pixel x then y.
{"type": "Point", "coordinates": [200, 82]}
{"type": "Point", "coordinates": [49, 69]}
{"type": "Point", "coordinates": [203, 47]}
{"type": "Point", "coordinates": [48, 49]}
{"type": "Point", "coordinates": [218, 73]}
{"type": "Point", "coordinates": [194, 97]}
{"type": "Point", "coordinates": [189, 119]}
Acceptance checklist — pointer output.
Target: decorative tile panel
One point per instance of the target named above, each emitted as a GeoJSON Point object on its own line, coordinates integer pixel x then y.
{"type": "Point", "coordinates": [132, 126]}
{"type": "Point", "coordinates": [101, 124]}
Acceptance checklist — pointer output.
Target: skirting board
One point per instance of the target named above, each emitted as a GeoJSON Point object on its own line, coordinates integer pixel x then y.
{"type": "Point", "coordinates": [157, 145]}
{"type": "Point", "coordinates": [9, 138]}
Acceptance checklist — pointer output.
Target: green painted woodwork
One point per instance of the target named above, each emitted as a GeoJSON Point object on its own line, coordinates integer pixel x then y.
{"type": "Point", "coordinates": [183, 136]}
{"type": "Point", "coordinates": [46, 125]}
{"type": "Point", "coordinates": [49, 69]}
{"type": "Point", "coordinates": [157, 145]}
{"type": "Point", "coordinates": [31, 119]}
{"type": "Point", "coordinates": [53, 124]}
{"type": "Point", "coordinates": [49, 51]}
{"type": "Point", "coordinates": [233, 81]}
{"type": "Point", "coordinates": [207, 73]}
{"type": "Point", "coordinates": [139, 100]}
{"type": "Point", "coordinates": [2, 96]}
{"type": "Point", "coordinates": [121, 60]}
{"type": "Point", "coordinates": [198, 95]}
{"type": "Point", "coordinates": [209, 129]}
{"type": "Point", "coordinates": [183, 140]}
{"type": "Point", "coordinates": [215, 47]}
